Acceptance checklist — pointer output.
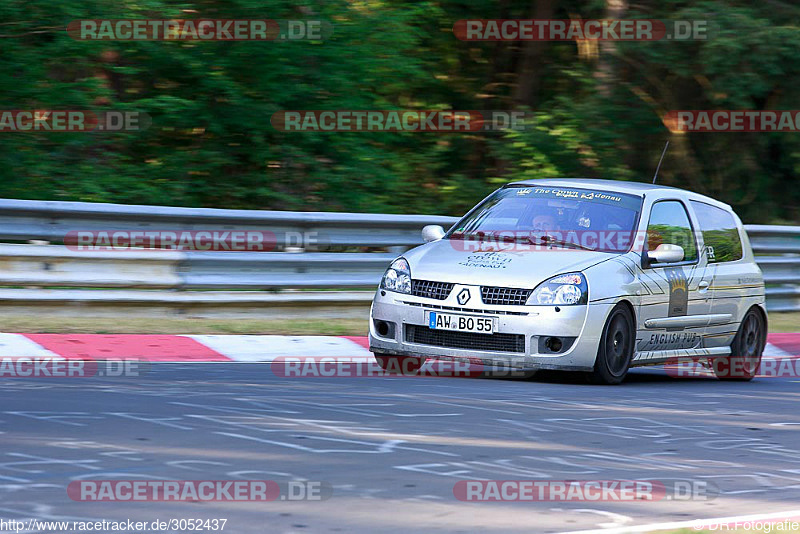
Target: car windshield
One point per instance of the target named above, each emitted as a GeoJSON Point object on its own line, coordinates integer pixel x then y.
{"type": "Point", "coordinates": [554, 217]}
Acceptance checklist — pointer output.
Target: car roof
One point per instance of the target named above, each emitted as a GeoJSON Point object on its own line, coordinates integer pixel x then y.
{"type": "Point", "coordinates": [618, 186]}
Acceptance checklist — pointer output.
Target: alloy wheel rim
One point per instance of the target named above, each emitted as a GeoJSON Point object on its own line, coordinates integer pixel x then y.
{"type": "Point", "coordinates": [617, 345]}
{"type": "Point", "coordinates": [751, 338]}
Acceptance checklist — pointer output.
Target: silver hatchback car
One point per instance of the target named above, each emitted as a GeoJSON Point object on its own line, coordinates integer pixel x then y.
{"type": "Point", "coordinates": [594, 276]}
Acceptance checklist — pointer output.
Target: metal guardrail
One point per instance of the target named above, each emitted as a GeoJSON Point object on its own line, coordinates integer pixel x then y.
{"type": "Point", "coordinates": [275, 270]}
{"type": "Point", "coordinates": [777, 249]}
{"type": "Point", "coordinates": [58, 266]}
{"type": "Point", "coordinates": [772, 239]}
{"type": "Point", "coordinates": [207, 304]}
{"type": "Point", "coordinates": [24, 220]}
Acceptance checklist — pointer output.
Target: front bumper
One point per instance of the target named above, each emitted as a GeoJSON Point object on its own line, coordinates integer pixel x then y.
{"type": "Point", "coordinates": [584, 324]}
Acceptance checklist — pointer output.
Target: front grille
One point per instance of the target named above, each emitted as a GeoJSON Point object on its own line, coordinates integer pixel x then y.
{"type": "Point", "coordinates": [505, 296]}
{"type": "Point", "coordinates": [464, 340]}
{"type": "Point", "coordinates": [462, 310]}
{"type": "Point", "coordinates": [431, 290]}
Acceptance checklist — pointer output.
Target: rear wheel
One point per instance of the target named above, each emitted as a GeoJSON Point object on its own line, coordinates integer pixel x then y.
{"type": "Point", "coordinates": [615, 351]}
{"type": "Point", "coordinates": [400, 365]}
{"type": "Point", "coordinates": [746, 350]}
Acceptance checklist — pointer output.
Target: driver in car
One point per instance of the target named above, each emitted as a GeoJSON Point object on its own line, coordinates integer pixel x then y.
{"type": "Point", "coordinates": [544, 223]}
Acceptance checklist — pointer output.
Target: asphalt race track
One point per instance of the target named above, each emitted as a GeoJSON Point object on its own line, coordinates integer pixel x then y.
{"type": "Point", "coordinates": [392, 448]}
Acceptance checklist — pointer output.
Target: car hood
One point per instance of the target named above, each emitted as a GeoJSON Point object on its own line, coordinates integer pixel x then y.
{"type": "Point", "coordinates": [446, 261]}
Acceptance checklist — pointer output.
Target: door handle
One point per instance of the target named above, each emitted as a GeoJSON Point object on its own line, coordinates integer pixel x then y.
{"type": "Point", "coordinates": [703, 285]}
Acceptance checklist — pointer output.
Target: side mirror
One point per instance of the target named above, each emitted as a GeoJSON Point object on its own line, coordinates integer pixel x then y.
{"type": "Point", "coordinates": [432, 232]}
{"type": "Point", "coordinates": [665, 254]}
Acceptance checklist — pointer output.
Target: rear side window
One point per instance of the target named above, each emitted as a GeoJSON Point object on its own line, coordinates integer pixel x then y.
{"type": "Point", "coordinates": [720, 233]}
{"type": "Point", "coordinates": [669, 224]}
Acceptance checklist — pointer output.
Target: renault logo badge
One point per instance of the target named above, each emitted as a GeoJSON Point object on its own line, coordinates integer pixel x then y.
{"type": "Point", "coordinates": [463, 296]}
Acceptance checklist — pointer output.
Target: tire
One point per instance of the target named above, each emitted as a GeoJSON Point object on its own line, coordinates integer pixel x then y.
{"type": "Point", "coordinates": [746, 350]}
{"type": "Point", "coordinates": [401, 365]}
{"type": "Point", "coordinates": [615, 350]}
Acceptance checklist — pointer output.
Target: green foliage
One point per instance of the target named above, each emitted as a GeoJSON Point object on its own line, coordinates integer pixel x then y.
{"type": "Point", "coordinates": [726, 243]}
{"type": "Point", "coordinates": [212, 144]}
{"type": "Point", "coordinates": [662, 234]}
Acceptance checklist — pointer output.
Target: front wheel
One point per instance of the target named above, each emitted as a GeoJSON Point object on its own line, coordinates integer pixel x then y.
{"type": "Point", "coordinates": [615, 351]}
{"type": "Point", "coordinates": [746, 350]}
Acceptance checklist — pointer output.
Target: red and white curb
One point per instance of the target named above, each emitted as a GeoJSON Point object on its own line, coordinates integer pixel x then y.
{"type": "Point", "coordinates": [224, 348]}
{"type": "Point", "coordinates": [179, 348]}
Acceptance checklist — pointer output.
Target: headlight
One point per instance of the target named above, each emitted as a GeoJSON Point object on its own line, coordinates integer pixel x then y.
{"type": "Point", "coordinates": [397, 277]}
{"type": "Point", "coordinates": [562, 290]}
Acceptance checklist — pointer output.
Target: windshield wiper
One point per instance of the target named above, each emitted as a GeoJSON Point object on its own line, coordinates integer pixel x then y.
{"type": "Point", "coordinates": [548, 240]}
{"type": "Point", "coordinates": [463, 235]}
{"type": "Point", "coordinates": [543, 240]}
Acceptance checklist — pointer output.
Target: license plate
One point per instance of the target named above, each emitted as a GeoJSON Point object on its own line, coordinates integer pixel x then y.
{"type": "Point", "coordinates": [460, 323]}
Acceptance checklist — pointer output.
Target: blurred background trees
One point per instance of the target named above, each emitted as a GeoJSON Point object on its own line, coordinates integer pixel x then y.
{"type": "Point", "coordinates": [598, 108]}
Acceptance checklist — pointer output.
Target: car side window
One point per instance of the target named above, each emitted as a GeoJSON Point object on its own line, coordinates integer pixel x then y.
{"type": "Point", "coordinates": [720, 233]}
{"type": "Point", "coordinates": [669, 225]}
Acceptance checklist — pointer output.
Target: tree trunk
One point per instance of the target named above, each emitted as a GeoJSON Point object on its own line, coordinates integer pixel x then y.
{"type": "Point", "coordinates": [615, 9]}
{"type": "Point", "coordinates": [529, 76]}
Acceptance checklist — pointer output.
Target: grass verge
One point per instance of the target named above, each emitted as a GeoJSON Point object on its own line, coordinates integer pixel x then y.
{"type": "Point", "coordinates": [784, 322]}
